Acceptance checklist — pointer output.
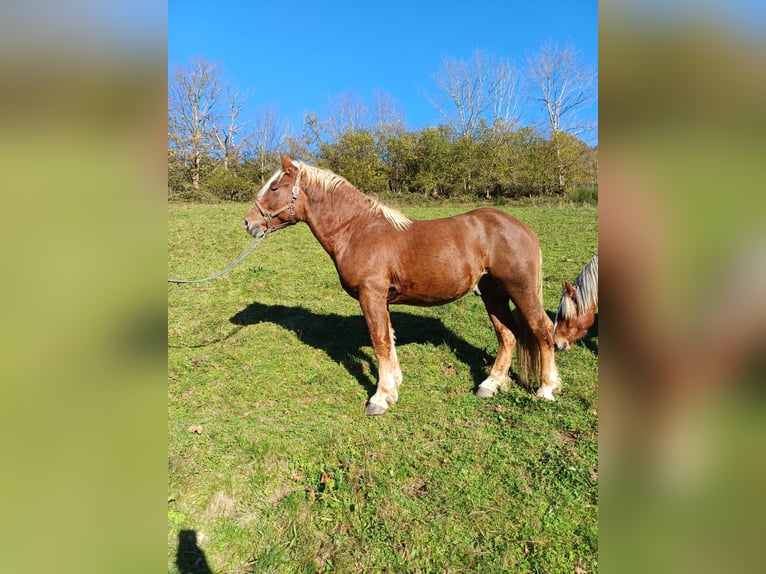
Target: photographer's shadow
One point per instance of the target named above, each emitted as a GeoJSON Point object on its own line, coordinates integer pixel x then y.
{"type": "Point", "coordinates": [343, 338]}
{"type": "Point", "coordinates": [190, 559]}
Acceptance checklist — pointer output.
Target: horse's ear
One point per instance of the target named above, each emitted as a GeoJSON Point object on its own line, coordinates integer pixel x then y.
{"type": "Point", "coordinates": [569, 289]}
{"type": "Point", "coordinates": [287, 163]}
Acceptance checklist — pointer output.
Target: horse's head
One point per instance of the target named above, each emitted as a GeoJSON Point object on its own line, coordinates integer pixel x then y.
{"type": "Point", "coordinates": [274, 205]}
{"type": "Point", "coordinates": [572, 322]}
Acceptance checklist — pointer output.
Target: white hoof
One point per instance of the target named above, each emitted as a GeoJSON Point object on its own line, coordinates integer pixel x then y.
{"type": "Point", "coordinates": [373, 409]}
{"type": "Point", "coordinates": [379, 403]}
{"type": "Point", "coordinates": [546, 393]}
{"type": "Point", "coordinates": [490, 386]}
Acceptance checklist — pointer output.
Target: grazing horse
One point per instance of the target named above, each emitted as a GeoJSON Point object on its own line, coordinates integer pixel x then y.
{"type": "Point", "coordinates": [384, 258]}
{"type": "Point", "coordinates": [577, 309]}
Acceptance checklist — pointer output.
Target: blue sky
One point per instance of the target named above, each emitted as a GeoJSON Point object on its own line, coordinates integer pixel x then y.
{"type": "Point", "coordinates": [295, 56]}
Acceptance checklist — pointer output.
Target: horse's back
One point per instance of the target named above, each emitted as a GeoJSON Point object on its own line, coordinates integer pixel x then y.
{"type": "Point", "coordinates": [481, 237]}
{"type": "Point", "coordinates": [484, 222]}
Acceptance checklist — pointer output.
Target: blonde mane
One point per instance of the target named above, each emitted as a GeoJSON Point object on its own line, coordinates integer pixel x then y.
{"type": "Point", "coordinates": [328, 182]}
{"type": "Point", "coordinates": [586, 292]}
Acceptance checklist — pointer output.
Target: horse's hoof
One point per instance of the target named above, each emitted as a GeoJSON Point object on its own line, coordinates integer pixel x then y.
{"type": "Point", "coordinates": [373, 409]}
{"type": "Point", "coordinates": [485, 393]}
{"type": "Point", "coordinates": [546, 394]}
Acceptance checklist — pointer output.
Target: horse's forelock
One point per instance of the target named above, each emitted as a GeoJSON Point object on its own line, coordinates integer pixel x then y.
{"type": "Point", "coordinates": [267, 185]}
{"type": "Point", "coordinates": [567, 308]}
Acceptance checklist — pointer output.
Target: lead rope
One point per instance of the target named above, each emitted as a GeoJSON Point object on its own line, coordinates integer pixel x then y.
{"type": "Point", "coordinates": [258, 238]}
{"type": "Point", "coordinates": [253, 244]}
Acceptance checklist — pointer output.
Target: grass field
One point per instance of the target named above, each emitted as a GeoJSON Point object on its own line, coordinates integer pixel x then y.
{"type": "Point", "coordinates": [273, 466]}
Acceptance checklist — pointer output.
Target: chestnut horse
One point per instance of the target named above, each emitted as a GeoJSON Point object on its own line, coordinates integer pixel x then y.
{"type": "Point", "coordinates": [384, 258]}
{"type": "Point", "coordinates": [577, 309]}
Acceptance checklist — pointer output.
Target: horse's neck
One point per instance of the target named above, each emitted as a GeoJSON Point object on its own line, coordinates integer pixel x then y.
{"type": "Point", "coordinates": [333, 215]}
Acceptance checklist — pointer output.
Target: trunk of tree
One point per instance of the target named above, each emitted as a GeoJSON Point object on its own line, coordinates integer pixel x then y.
{"type": "Point", "coordinates": [196, 162]}
{"type": "Point", "coordinates": [559, 169]}
{"type": "Point", "coordinates": [262, 165]}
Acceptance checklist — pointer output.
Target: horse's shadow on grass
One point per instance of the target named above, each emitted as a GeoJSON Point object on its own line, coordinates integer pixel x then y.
{"type": "Point", "coordinates": [343, 337]}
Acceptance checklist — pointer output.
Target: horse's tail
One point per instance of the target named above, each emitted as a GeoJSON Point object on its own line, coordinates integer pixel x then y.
{"type": "Point", "coordinates": [528, 347]}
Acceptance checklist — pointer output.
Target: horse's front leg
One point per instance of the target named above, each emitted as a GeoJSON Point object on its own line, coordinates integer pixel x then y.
{"type": "Point", "coordinates": [375, 310]}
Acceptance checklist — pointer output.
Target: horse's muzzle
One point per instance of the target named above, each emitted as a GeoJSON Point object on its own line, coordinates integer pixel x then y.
{"type": "Point", "coordinates": [251, 228]}
{"type": "Point", "coordinates": [254, 229]}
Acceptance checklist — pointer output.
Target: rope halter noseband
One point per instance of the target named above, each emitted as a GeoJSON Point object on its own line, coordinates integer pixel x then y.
{"type": "Point", "coordinates": [289, 207]}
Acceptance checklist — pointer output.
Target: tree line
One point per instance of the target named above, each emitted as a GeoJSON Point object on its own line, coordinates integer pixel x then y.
{"type": "Point", "coordinates": [481, 148]}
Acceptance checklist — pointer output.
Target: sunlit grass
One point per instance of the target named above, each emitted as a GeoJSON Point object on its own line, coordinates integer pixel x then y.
{"type": "Point", "coordinates": [274, 363]}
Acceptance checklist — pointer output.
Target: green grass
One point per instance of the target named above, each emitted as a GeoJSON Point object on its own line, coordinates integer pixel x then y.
{"type": "Point", "coordinates": [274, 363]}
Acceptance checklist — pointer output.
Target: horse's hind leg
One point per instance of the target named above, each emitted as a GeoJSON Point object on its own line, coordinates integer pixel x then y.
{"type": "Point", "coordinates": [539, 327]}
{"type": "Point", "coordinates": [496, 303]}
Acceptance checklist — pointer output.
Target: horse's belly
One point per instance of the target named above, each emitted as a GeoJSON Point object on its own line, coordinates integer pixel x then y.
{"type": "Point", "coordinates": [429, 293]}
{"type": "Point", "coordinates": [428, 265]}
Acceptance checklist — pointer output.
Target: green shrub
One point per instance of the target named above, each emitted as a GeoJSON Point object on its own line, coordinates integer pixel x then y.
{"type": "Point", "coordinates": [227, 185]}
{"type": "Point", "coordinates": [585, 194]}
{"type": "Point", "coordinates": [187, 194]}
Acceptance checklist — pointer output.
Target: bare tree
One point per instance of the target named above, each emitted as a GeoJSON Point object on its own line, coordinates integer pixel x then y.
{"type": "Point", "coordinates": [311, 134]}
{"type": "Point", "coordinates": [193, 97]}
{"type": "Point", "coordinates": [563, 85]}
{"type": "Point", "coordinates": [267, 139]}
{"type": "Point", "coordinates": [346, 113]}
{"type": "Point", "coordinates": [227, 134]}
{"type": "Point", "coordinates": [483, 87]}
{"type": "Point", "coordinates": [505, 96]}
{"type": "Point", "coordinates": [387, 113]}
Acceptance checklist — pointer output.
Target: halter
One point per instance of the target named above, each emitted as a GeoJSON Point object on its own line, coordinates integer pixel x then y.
{"type": "Point", "coordinates": [290, 206]}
